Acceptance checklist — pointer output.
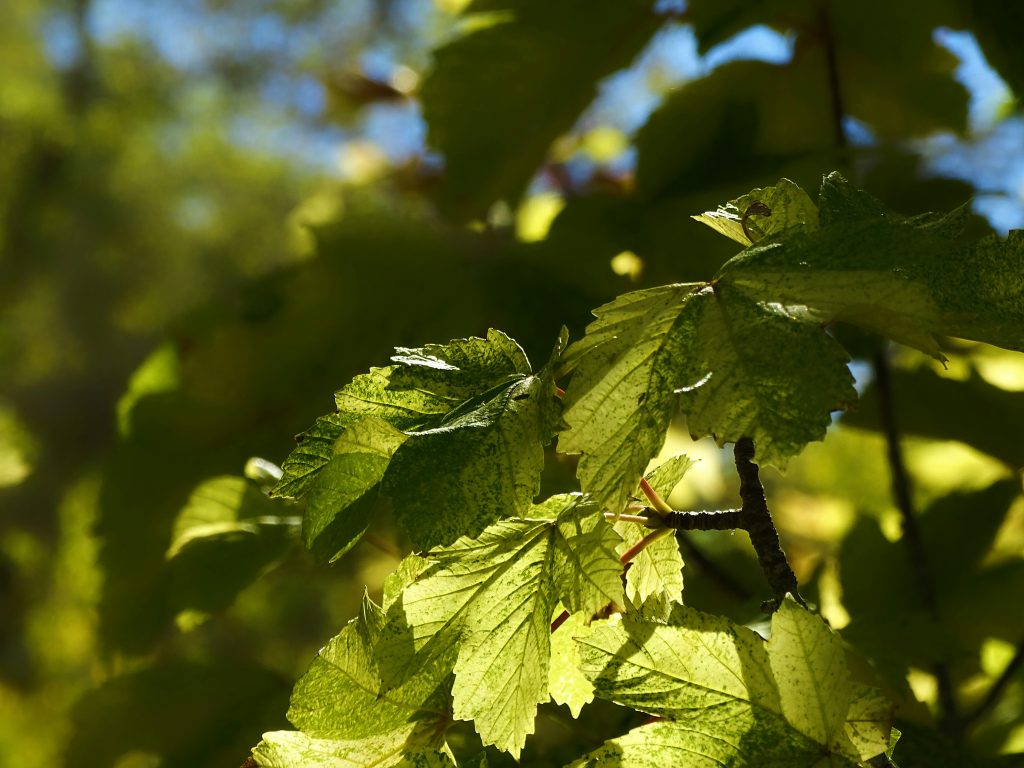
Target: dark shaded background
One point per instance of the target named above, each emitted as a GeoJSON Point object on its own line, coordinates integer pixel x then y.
{"type": "Point", "coordinates": [214, 213]}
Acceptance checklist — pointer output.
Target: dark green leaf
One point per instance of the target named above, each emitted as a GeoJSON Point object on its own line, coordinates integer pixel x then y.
{"type": "Point", "coordinates": [192, 715]}
{"type": "Point", "coordinates": [498, 97]}
{"type": "Point", "coordinates": [971, 411]}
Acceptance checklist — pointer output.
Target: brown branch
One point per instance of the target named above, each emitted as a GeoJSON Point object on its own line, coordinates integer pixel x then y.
{"type": "Point", "coordinates": [706, 520]}
{"type": "Point", "coordinates": [757, 521]}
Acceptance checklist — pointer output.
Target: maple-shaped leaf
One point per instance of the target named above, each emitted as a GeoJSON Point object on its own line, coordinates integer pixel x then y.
{"type": "Point", "coordinates": [738, 367]}
{"type": "Point", "coordinates": [905, 278]}
{"type": "Point", "coordinates": [344, 719]}
{"type": "Point", "coordinates": [484, 608]}
{"type": "Point", "coordinates": [745, 355]}
{"type": "Point", "coordinates": [425, 430]}
{"type": "Point", "coordinates": [727, 697]}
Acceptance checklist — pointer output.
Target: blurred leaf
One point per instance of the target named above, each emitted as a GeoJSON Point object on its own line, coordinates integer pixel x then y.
{"type": "Point", "coordinates": [224, 506]}
{"type": "Point", "coordinates": [499, 96]}
{"type": "Point", "coordinates": [715, 21]}
{"type": "Point", "coordinates": [226, 536]}
{"type": "Point", "coordinates": [890, 622]}
{"type": "Point", "coordinates": [995, 24]}
{"type": "Point", "coordinates": [744, 120]}
{"type": "Point", "coordinates": [192, 715]}
{"type": "Point", "coordinates": [971, 411]}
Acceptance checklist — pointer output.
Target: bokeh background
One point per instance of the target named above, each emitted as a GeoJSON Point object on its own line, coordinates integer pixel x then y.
{"type": "Point", "coordinates": [214, 212]}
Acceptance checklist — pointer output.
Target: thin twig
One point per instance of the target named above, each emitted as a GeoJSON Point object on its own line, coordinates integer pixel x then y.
{"type": "Point", "coordinates": [912, 538]}
{"type": "Point", "coordinates": [834, 81]}
{"type": "Point", "coordinates": [706, 520]}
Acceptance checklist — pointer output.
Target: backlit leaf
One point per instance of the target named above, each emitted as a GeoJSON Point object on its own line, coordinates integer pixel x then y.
{"type": "Point", "coordinates": [484, 611]}
{"type": "Point", "coordinates": [728, 698]}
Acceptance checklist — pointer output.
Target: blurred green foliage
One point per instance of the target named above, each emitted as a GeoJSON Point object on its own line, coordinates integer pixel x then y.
{"type": "Point", "coordinates": [176, 298]}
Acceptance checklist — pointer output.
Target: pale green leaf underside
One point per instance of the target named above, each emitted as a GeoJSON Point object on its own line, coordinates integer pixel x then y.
{"type": "Point", "coordinates": [566, 682]}
{"type": "Point", "coordinates": [484, 610]}
{"type": "Point", "coordinates": [658, 569]}
{"type": "Point", "coordinates": [729, 698]}
{"type": "Point", "coordinates": [621, 397]}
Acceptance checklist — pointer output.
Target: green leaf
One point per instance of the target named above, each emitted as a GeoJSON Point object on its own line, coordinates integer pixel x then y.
{"type": "Point", "coordinates": [196, 715]}
{"type": "Point", "coordinates": [453, 433]}
{"type": "Point", "coordinates": [763, 212]}
{"type": "Point", "coordinates": [729, 698]}
{"type": "Point", "coordinates": [666, 476]}
{"type": "Point", "coordinates": [809, 667]}
{"type": "Point", "coordinates": [342, 716]}
{"type": "Point", "coordinates": [742, 368]}
{"type": "Point", "coordinates": [484, 610]}
{"type": "Point", "coordinates": [904, 278]}
{"type": "Point", "coordinates": [341, 502]}
{"type": "Point", "coordinates": [482, 463]}
{"type": "Point", "coordinates": [566, 682]}
{"type": "Point", "coordinates": [226, 536]}
{"type": "Point", "coordinates": [533, 58]}
{"type": "Point", "coordinates": [656, 570]}
{"type": "Point", "coordinates": [746, 354]}
{"type": "Point", "coordinates": [425, 385]}
{"type": "Point", "coordinates": [620, 400]}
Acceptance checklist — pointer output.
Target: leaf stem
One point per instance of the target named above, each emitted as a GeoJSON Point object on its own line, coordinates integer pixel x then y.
{"type": "Point", "coordinates": [641, 545]}
{"type": "Point", "coordinates": [650, 522]}
{"type": "Point", "coordinates": [912, 538]}
{"type": "Point", "coordinates": [657, 503]}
